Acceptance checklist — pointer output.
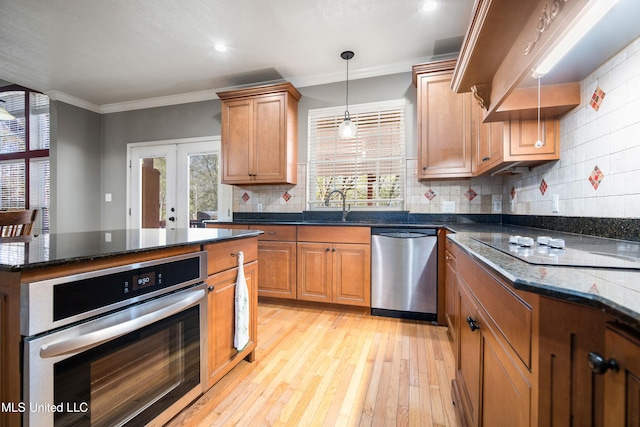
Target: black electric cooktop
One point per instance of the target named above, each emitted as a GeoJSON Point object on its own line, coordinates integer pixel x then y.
{"type": "Point", "coordinates": [578, 251]}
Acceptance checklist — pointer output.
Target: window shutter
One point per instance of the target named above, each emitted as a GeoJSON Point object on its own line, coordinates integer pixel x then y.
{"type": "Point", "coordinates": [369, 168]}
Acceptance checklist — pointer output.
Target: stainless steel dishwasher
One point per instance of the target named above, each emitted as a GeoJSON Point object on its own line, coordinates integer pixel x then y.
{"type": "Point", "coordinates": [404, 273]}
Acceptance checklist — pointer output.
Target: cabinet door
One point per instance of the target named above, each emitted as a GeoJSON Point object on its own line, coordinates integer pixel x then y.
{"type": "Point", "coordinates": [523, 135]}
{"type": "Point", "coordinates": [237, 141]}
{"type": "Point", "coordinates": [468, 356]}
{"type": "Point", "coordinates": [277, 276]}
{"type": "Point", "coordinates": [489, 141]}
{"type": "Point", "coordinates": [444, 129]}
{"type": "Point", "coordinates": [221, 314]}
{"type": "Point", "coordinates": [352, 274]}
{"type": "Point", "coordinates": [506, 394]}
{"type": "Point", "coordinates": [450, 291]}
{"type": "Point", "coordinates": [270, 162]}
{"type": "Point", "coordinates": [315, 272]}
{"type": "Point", "coordinates": [622, 388]}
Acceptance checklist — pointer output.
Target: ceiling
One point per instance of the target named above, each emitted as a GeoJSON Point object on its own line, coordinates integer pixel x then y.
{"type": "Point", "coordinates": [109, 54]}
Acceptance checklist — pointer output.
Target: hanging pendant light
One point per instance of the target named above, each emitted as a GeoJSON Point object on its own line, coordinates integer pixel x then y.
{"type": "Point", "coordinates": [347, 128]}
{"type": "Point", "coordinates": [4, 114]}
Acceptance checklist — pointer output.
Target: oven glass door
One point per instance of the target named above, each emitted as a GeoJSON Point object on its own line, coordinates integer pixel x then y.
{"type": "Point", "coordinates": [128, 380]}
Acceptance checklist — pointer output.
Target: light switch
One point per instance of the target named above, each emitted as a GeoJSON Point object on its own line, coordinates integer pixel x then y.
{"type": "Point", "coordinates": [555, 208]}
{"type": "Point", "coordinates": [107, 197]}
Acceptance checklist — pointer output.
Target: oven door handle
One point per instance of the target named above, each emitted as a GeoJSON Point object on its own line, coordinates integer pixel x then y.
{"type": "Point", "coordinates": [94, 339]}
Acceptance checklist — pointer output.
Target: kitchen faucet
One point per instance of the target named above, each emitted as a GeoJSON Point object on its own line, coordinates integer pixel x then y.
{"type": "Point", "coordinates": [345, 210]}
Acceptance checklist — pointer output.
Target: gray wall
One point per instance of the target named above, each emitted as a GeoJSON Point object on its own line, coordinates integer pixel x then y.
{"type": "Point", "coordinates": [75, 169]}
{"type": "Point", "coordinates": [153, 124]}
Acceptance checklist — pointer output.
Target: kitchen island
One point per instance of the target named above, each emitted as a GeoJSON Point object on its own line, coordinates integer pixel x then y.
{"type": "Point", "coordinates": [557, 331]}
{"type": "Point", "coordinates": [147, 261]}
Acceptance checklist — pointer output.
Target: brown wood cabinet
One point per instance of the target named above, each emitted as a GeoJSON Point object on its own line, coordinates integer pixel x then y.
{"type": "Point", "coordinates": [451, 290]}
{"type": "Point", "coordinates": [500, 146]}
{"type": "Point", "coordinates": [221, 283]}
{"type": "Point", "coordinates": [444, 123]}
{"type": "Point", "coordinates": [334, 265]}
{"type": "Point", "coordinates": [277, 252]}
{"type": "Point", "coordinates": [259, 135]}
{"type": "Point", "coordinates": [221, 305]}
{"type": "Point", "coordinates": [622, 387]}
{"type": "Point", "coordinates": [494, 381]}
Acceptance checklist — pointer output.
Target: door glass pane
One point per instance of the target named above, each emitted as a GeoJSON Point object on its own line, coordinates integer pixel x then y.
{"type": "Point", "coordinates": [40, 193]}
{"type": "Point", "coordinates": [153, 171]}
{"type": "Point", "coordinates": [203, 187]}
{"type": "Point", "coordinates": [39, 121]}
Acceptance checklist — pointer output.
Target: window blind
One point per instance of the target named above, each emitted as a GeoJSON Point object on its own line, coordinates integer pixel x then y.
{"type": "Point", "coordinates": [369, 168]}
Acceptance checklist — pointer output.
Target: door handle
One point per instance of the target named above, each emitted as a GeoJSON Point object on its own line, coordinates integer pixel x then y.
{"type": "Point", "coordinates": [172, 218]}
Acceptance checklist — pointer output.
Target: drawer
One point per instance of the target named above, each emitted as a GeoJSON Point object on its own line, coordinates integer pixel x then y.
{"type": "Point", "coordinates": [282, 233]}
{"type": "Point", "coordinates": [511, 315]}
{"type": "Point", "coordinates": [450, 246]}
{"type": "Point", "coordinates": [222, 256]}
{"type": "Point", "coordinates": [334, 234]}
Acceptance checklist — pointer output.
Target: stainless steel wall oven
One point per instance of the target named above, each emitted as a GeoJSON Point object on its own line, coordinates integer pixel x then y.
{"type": "Point", "coordinates": [119, 346]}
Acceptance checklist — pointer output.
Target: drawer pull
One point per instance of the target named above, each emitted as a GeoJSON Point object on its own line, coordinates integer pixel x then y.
{"type": "Point", "coordinates": [472, 324]}
{"type": "Point", "coordinates": [271, 233]}
{"type": "Point", "coordinates": [599, 365]}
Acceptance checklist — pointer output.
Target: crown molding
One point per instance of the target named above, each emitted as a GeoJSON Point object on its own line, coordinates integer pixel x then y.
{"type": "Point", "coordinates": [56, 95]}
{"type": "Point", "coordinates": [210, 94]}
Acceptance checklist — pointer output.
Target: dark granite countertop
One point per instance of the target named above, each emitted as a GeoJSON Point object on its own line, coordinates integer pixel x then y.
{"type": "Point", "coordinates": [58, 249]}
{"type": "Point", "coordinates": [614, 290]}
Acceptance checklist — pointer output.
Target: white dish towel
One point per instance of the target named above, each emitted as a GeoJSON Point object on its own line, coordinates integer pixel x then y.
{"type": "Point", "coordinates": [241, 337]}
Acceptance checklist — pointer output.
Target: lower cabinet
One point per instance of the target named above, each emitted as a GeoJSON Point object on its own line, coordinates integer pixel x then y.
{"type": "Point", "coordinates": [277, 275]}
{"type": "Point", "coordinates": [221, 307]}
{"type": "Point", "coordinates": [493, 384]}
{"type": "Point", "coordinates": [334, 273]}
{"type": "Point", "coordinates": [620, 366]}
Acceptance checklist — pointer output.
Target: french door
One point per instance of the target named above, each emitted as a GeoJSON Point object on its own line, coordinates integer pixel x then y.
{"type": "Point", "coordinates": [175, 184]}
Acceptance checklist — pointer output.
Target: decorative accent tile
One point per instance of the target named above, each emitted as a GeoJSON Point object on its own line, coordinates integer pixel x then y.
{"type": "Point", "coordinates": [286, 196]}
{"type": "Point", "coordinates": [543, 186]}
{"type": "Point", "coordinates": [594, 289]}
{"type": "Point", "coordinates": [430, 194]}
{"type": "Point", "coordinates": [245, 197]}
{"type": "Point", "coordinates": [596, 177]}
{"type": "Point", "coordinates": [513, 193]}
{"type": "Point", "coordinates": [596, 99]}
{"type": "Point", "coordinates": [470, 194]}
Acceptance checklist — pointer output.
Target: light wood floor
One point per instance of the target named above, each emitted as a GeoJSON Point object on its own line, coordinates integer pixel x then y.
{"type": "Point", "coordinates": [316, 366]}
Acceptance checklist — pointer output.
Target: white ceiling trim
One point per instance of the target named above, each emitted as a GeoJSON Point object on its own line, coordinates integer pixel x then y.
{"type": "Point", "coordinates": [210, 94]}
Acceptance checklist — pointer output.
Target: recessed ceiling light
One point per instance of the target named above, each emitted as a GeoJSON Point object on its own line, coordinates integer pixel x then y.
{"type": "Point", "coordinates": [220, 47]}
{"type": "Point", "coordinates": [429, 5]}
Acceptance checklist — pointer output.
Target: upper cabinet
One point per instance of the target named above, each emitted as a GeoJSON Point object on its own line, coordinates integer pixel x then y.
{"type": "Point", "coordinates": [444, 123]}
{"type": "Point", "coordinates": [260, 135]}
{"type": "Point", "coordinates": [454, 142]}
{"type": "Point", "coordinates": [507, 39]}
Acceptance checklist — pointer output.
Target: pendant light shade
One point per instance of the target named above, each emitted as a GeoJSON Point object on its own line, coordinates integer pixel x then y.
{"type": "Point", "coordinates": [347, 128]}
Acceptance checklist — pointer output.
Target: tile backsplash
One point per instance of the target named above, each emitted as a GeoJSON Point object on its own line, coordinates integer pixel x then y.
{"type": "Point", "coordinates": [475, 195]}
{"type": "Point", "coordinates": [598, 174]}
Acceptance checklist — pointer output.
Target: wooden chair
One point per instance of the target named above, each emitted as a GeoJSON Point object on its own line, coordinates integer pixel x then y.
{"type": "Point", "coordinates": [15, 223]}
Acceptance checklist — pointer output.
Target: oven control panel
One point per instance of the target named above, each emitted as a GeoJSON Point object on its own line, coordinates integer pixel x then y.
{"type": "Point", "coordinates": [52, 303]}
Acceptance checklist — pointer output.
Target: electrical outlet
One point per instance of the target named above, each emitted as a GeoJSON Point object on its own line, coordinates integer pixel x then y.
{"type": "Point", "coordinates": [448, 206]}
{"type": "Point", "coordinates": [497, 206]}
{"type": "Point", "coordinates": [555, 205]}
{"type": "Point", "coordinates": [259, 207]}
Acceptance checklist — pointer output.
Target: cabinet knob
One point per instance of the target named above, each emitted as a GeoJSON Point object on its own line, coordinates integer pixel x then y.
{"type": "Point", "coordinates": [599, 365]}
{"type": "Point", "coordinates": [211, 288]}
{"type": "Point", "coordinates": [473, 325]}
{"type": "Point", "coordinates": [424, 168]}
{"type": "Point", "coordinates": [327, 249]}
